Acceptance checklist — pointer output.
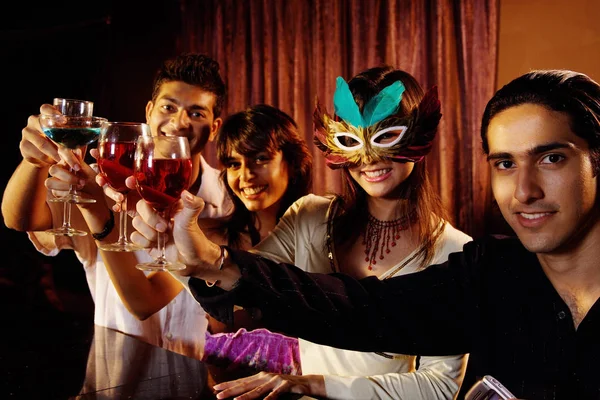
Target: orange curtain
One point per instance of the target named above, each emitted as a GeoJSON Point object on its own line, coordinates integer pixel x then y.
{"type": "Point", "coordinates": [288, 52]}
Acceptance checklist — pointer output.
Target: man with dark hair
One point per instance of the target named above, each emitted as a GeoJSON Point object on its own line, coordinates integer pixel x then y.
{"type": "Point", "coordinates": [187, 100]}
{"type": "Point", "coordinates": [524, 308]}
{"type": "Point", "coordinates": [193, 69]}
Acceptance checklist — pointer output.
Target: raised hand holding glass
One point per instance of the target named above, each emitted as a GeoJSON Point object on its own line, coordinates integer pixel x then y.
{"type": "Point", "coordinates": [75, 128]}
{"type": "Point", "coordinates": [116, 148]}
{"type": "Point", "coordinates": [163, 169]}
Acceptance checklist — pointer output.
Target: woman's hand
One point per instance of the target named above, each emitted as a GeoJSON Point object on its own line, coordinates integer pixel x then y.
{"type": "Point", "coordinates": [256, 386]}
{"type": "Point", "coordinates": [187, 242]}
{"type": "Point", "coordinates": [147, 222]}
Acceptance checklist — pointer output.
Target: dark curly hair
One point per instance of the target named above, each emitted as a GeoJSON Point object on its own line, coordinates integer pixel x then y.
{"type": "Point", "coordinates": [193, 69]}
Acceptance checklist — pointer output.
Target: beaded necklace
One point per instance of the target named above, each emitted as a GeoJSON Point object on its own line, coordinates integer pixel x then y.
{"type": "Point", "coordinates": [380, 236]}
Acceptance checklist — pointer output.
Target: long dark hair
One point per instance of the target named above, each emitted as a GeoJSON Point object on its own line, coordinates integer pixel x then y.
{"type": "Point", "coordinates": [257, 129]}
{"type": "Point", "coordinates": [416, 192]}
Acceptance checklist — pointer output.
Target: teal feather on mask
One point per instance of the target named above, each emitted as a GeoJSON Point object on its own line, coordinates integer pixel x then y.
{"type": "Point", "coordinates": [384, 104]}
{"type": "Point", "coordinates": [381, 106]}
{"type": "Point", "coordinates": [344, 104]}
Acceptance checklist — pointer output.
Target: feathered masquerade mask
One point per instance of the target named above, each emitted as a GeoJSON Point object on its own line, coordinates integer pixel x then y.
{"type": "Point", "coordinates": [352, 137]}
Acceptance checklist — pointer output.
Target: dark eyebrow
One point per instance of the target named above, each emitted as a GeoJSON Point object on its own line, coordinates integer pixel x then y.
{"type": "Point", "coordinates": [194, 107]}
{"type": "Point", "coordinates": [543, 148]}
{"type": "Point", "coordinates": [231, 158]}
{"type": "Point", "coordinates": [499, 156]}
{"type": "Point", "coordinates": [171, 99]}
{"type": "Point", "coordinates": [198, 107]}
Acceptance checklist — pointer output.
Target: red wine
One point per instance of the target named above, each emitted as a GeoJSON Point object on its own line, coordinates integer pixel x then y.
{"type": "Point", "coordinates": [160, 182]}
{"type": "Point", "coordinates": [116, 163]}
{"type": "Point", "coordinates": [73, 138]}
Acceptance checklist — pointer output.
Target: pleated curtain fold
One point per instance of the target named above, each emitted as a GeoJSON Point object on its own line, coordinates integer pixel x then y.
{"type": "Point", "coordinates": [289, 52]}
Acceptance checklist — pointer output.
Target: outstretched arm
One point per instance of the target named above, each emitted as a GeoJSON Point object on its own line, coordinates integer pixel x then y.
{"type": "Point", "coordinates": [422, 313]}
{"type": "Point", "coordinates": [24, 205]}
{"type": "Point", "coordinates": [437, 378]}
{"type": "Point", "coordinates": [142, 295]}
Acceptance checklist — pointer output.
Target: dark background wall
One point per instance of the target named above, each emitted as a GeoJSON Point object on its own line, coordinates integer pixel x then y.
{"type": "Point", "coordinates": [104, 51]}
{"type": "Point", "coordinates": [107, 51]}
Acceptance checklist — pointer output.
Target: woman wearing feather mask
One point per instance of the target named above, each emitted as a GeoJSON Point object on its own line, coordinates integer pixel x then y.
{"type": "Point", "coordinates": [388, 222]}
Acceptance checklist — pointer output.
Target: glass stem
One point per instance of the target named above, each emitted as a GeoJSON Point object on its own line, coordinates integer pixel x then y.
{"type": "Point", "coordinates": [72, 188]}
{"type": "Point", "coordinates": [162, 236]}
{"type": "Point", "coordinates": [123, 221]}
{"type": "Point", "coordinates": [66, 215]}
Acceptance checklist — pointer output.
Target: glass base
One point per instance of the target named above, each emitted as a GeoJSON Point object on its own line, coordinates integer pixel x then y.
{"type": "Point", "coordinates": [159, 265]}
{"type": "Point", "coordinates": [119, 246]}
{"type": "Point", "coordinates": [63, 231]}
{"type": "Point", "coordinates": [73, 198]}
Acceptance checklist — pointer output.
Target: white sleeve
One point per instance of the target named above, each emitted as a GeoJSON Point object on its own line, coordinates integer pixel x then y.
{"type": "Point", "coordinates": [280, 244]}
{"type": "Point", "coordinates": [300, 235]}
{"type": "Point", "coordinates": [436, 378]}
{"type": "Point", "coordinates": [218, 203]}
{"type": "Point", "coordinates": [50, 245]}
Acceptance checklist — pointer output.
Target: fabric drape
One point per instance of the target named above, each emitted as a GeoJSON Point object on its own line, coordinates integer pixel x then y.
{"type": "Point", "coordinates": [288, 52]}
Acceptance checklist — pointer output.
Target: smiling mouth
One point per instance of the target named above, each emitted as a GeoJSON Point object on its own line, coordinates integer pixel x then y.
{"type": "Point", "coordinates": [532, 216]}
{"type": "Point", "coordinates": [375, 174]}
{"type": "Point", "coordinates": [251, 191]}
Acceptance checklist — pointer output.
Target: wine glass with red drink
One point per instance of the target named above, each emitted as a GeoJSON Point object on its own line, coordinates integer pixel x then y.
{"type": "Point", "coordinates": [163, 169]}
{"type": "Point", "coordinates": [74, 128]}
{"type": "Point", "coordinates": [116, 149]}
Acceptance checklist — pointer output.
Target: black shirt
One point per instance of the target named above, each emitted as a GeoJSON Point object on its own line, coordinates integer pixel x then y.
{"type": "Point", "coordinates": [492, 300]}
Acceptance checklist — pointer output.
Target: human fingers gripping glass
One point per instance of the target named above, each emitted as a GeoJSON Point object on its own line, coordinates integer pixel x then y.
{"type": "Point", "coordinates": [38, 150]}
{"type": "Point", "coordinates": [108, 191]}
{"type": "Point", "coordinates": [60, 179]}
{"type": "Point", "coordinates": [163, 169]}
{"type": "Point", "coordinates": [147, 224]}
{"type": "Point", "coordinates": [74, 129]}
{"type": "Point", "coordinates": [116, 154]}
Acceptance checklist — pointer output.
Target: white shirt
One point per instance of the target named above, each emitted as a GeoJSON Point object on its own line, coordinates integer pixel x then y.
{"type": "Point", "coordinates": [299, 239]}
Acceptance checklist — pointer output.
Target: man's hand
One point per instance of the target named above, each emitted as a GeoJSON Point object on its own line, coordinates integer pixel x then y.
{"type": "Point", "coordinates": [132, 197]}
{"type": "Point", "coordinates": [188, 244]}
{"type": "Point", "coordinates": [36, 148]}
{"type": "Point", "coordinates": [185, 232]}
{"type": "Point", "coordinates": [84, 180]}
{"type": "Point", "coordinates": [39, 150]}
{"type": "Point", "coordinates": [190, 240]}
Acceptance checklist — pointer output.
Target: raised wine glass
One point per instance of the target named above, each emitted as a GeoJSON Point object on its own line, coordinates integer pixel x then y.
{"type": "Point", "coordinates": [163, 169]}
{"type": "Point", "coordinates": [116, 148]}
{"type": "Point", "coordinates": [75, 128]}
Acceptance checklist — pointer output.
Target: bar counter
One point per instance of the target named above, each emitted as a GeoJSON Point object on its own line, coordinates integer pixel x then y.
{"type": "Point", "coordinates": [48, 355]}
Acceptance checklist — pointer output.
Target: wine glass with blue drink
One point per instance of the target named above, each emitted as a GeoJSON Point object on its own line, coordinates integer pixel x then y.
{"type": "Point", "coordinates": [74, 128]}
